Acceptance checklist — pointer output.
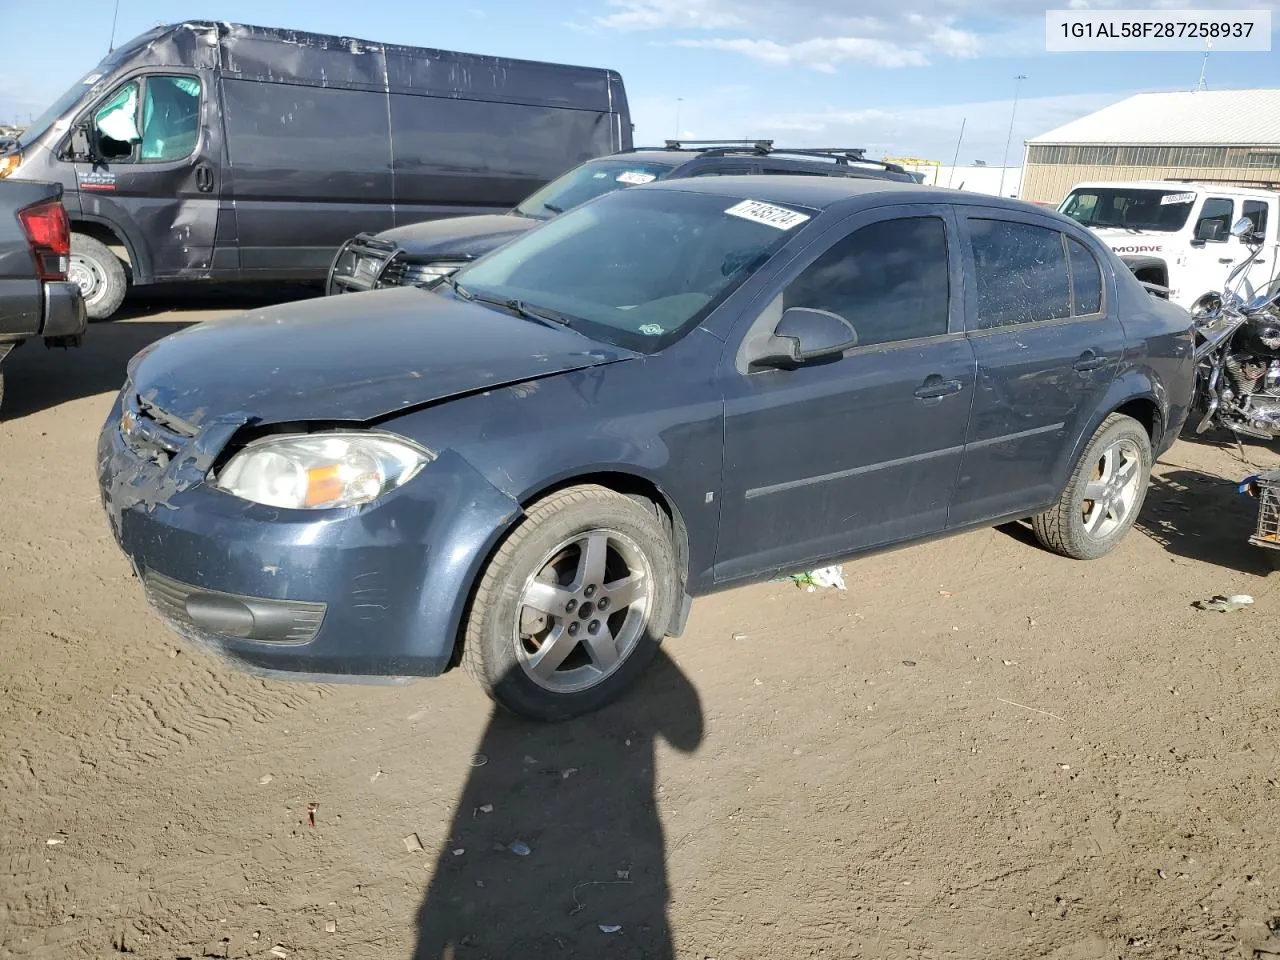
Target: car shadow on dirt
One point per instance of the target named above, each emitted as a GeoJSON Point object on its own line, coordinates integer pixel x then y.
{"type": "Point", "coordinates": [556, 846]}
{"type": "Point", "coordinates": [1205, 518]}
{"type": "Point", "coordinates": [38, 379]}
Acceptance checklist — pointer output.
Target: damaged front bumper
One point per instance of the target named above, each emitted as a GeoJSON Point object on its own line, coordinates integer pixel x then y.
{"type": "Point", "coordinates": [372, 592]}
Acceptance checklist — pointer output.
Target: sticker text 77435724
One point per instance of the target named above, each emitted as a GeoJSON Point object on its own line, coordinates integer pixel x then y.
{"type": "Point", "coordinates": [771, 215]}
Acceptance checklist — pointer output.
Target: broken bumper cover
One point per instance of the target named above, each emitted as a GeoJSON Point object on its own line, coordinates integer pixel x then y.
{"type": "Point", "coordinates": [64, 310]}
{"type": "Point", "coordinates": [374, 592]}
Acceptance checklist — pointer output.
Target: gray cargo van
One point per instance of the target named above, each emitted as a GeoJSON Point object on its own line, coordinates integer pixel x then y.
{"type": "Point", "coordinates": [216, 151]}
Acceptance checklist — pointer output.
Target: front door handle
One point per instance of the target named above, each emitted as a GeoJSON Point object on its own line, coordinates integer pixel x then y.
{"type": "Point", "coordinates": [1089, 361]}
{"type": "Point", "coordinates": [204, 178]}
{"type": "Point", "coordinates": [935, 388]}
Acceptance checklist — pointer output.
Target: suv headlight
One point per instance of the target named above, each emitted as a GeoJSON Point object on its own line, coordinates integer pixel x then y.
{"type": "Point", "coordinates": [317, 471]}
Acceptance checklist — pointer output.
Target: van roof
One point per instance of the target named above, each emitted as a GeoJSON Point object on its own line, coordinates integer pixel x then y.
{"type": "Point", "coordinates": [1180, 185]}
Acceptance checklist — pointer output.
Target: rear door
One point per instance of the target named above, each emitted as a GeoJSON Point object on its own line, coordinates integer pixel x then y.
{"type": "Point", "coordinates": [1048, 345]}
{"type": "Point", "coordinates": [828, 459]}
{"type": "Point", "coordinates": [161, 172]}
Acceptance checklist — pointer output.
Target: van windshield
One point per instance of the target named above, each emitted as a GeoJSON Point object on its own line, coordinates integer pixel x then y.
{"type": "Point", "coordinates": [59, 107]}
{"type": "Point", "coordinates": [593, 179]}
{"type": "Point", "coordinates": [1133, 208]}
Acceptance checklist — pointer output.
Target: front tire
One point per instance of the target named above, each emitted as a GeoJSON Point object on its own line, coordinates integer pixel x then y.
{"type": "Point", "coordinates": [572, 606]}
{"type": "Point", "coordinates": [99, 274]}
{"type": "Point", "coordinates": [1104, 495]}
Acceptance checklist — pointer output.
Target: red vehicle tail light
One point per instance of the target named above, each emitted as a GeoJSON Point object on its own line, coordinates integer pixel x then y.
{"type": "Point", "coordinates": [49, 233]}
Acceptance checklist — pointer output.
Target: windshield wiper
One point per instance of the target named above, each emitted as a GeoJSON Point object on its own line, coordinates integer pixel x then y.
{"type": "Point", "coordinates": [458, 288]}
{"type": "Point", "coordinates": [553, 208]}
{"type": "Point", "coordinates": [521, 309]}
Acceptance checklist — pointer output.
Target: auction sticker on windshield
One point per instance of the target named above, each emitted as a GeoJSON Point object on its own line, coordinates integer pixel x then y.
{"type": "Point", "coordinates": [1176, 198]}
{"type": "Point", "coordinates": [757, 211]}
{"type": "Point", "coordinates": [635, 179]}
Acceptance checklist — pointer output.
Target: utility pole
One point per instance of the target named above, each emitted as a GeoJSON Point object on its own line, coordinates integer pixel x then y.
{"type": "Point", "coordinates": [114, 17]}
{"type": "Point", "coordinates": [1017, 83]}
{"type": "Point", "coordinates": [1204, 62]}
{"type": "Point", "coordinates": [956, 159]}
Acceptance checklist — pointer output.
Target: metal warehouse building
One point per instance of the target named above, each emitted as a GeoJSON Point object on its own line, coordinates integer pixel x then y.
{"type": "Point", "coordinates": [1210, 136]}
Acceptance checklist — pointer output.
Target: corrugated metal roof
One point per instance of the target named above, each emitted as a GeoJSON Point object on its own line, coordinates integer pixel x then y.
{"type": "Point", "coordinates": [1218, 117]}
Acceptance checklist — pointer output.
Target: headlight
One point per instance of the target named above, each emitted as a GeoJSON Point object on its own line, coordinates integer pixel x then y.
{"type": "Point", "coordinates": [319, 471]}
{"type": "Point", "coordinates": [10, 163]}
{"type": "Point", "coordinates": [420, 274]}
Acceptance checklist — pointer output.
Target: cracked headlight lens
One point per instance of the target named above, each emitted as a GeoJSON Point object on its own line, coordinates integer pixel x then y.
{"type": "Point", "coordinates": [317, 471]}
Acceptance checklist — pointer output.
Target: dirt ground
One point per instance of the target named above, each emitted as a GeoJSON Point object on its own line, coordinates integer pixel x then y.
{"type": "Point", "coordinates": [978, 751]}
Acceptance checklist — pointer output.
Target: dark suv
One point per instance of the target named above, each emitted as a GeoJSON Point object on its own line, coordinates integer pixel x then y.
{"type": "Point", "coordinates": [420, 253]}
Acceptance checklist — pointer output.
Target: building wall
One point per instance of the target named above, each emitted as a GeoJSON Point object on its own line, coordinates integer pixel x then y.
{"type": "Point", "coordinates": [1051, 182]}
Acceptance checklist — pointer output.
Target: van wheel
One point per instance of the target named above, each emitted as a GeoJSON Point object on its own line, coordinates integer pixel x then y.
{"type": "Point", "coordinates": [572, 607]}
{"type": "Point", "coordinates": [1103, 496]}
{"type": "Point", "coordinates": [99, 274]}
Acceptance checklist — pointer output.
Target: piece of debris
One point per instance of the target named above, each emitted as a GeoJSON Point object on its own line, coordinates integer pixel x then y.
{"type": "Point", "coordinates": [908, 663]}
{"type": "Point", "coordinates": [376, 776]}
{"type": "Point", "coordinates": [331, 926]}
{"type": "Point", "coordinates": [264, 779]}
{"type": "Point", "coordinates": [311, 813]}
{"type": "Point", "coordinates": [519, 848]}
{"type": "Point", "coordinates": [1031, 621]}
{"type": "Point", "coordinates": [173, 652]}
{"type": "Point", "coordinates": [1064, 766]}
{"type": "Point", "coordinates": [1162, 875]}
{"type": "Point", "coordinates": [822, 577]}
{"type": "Point", "coordinates": [411, 843]}
{"type": "Point", "coordinates": [1222, 604]}
{"type": "Point", "coordinates": [279, 951]}
{"type": "Point", "coordinates": [486, 808]}
{"type": "Point", "coordinates": [623, 874]}
{"type": "Point", "coordinates": [459, 852]}
{"type": "Point", "coordinates": [1009, 663]}
{"type": "Point", "coordinates": [54, 841]}
{"type": "Point", "coordinates": [479, 760]}
{"type": "Point", "coordinates": [568, 772]}
{"type": "Point", "coordinates": [944, 593]}
{"type": "Point", "coordinates": [610, 927]}
{"type": "Point", "coordinates": [738, 636]}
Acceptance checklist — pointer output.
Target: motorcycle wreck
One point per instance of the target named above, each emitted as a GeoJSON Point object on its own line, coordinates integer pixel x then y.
{"type": "Point", "coordinates": [1238, 352]}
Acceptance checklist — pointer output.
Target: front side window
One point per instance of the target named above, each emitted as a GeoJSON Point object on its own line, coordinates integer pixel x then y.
{"type": "Point", "coordinates": [150, 121]}
{"type": "Point", "coordinates": [890, 280]}
{"type": "Point", "coordinates": [1215, 220]}
{"type": "Point", "coordinates": [636, 268]}
{"type": "Point", "coordinates": [587, 182]}
{"type": "Point", "coordinates": [1021, 272]}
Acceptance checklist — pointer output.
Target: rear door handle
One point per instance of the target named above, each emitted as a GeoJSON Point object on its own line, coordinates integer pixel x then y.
{"type": "Point", "coordinates": [1089, 361]}
{"type": "Point", "coordinates": [935, 388]}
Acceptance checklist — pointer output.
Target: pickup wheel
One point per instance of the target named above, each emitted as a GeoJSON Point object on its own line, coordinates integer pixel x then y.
{"type": "Point", "coordinates": [99, 274]}
{"type": "Point", "coordinates": [572, 606]}
{"type": "Point", "coordinates": [1103, 496]}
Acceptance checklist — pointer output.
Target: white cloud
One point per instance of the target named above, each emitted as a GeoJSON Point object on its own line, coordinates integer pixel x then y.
{"type": "Point", "coordinates": [672, 14]}
{"type": "Point", "coordinates": [820, 54]}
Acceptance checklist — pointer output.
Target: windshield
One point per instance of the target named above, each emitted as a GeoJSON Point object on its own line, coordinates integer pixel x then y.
{"type": "Point", "coordinates": [636, 268]}
{"type": "Point", "coordinates": [1131, 208]}
{"type": "Point", "coordinates": [60, 106]}
{"type": "Point", "coordinates": [587, 182]}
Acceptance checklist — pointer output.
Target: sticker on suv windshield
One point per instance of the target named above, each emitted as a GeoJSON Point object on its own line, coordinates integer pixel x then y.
{"type": "Point", "coordinates": [1169, 198]}
{"type": "Point", "coordinates": [757, 211]}
{"type": "Point", "coordinates": [651, 330]}
{"type": "Point", "coordinates": [635, 178]}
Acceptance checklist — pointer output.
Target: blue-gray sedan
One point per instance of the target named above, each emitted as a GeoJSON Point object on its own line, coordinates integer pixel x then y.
{"type": "Point", "coordinates": [532, 467]}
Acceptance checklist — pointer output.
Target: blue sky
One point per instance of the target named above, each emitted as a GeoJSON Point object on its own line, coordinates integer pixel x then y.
{"type": "Point", "coordinates": [894, 76]}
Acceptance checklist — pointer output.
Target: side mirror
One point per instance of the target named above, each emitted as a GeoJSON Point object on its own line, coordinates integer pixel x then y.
{"type": "Point", "coordinates": [1242, 227]}
{"type": "Point", "coordinates": [1208, 230]}
{"type": "Point", "coordinates": [804, 335]}
{"type": "Point", "coordinates": [81, 143]}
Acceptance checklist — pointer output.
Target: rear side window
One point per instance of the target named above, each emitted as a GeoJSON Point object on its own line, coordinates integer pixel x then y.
{"type": "Point", "coordinates": [1256, 210]}
{"type": "Point", "coordinates": [889, 279]}
{"type": "Point", "coordinates": [1021, 272]}
{"type": "Point", "coordinates": [1086, 280]}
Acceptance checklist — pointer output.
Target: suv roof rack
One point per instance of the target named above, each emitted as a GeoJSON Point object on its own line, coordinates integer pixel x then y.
{"type": "Point", "coordinates": [720, 148]}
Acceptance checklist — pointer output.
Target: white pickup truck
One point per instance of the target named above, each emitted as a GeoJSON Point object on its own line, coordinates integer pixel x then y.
{"type": "Point", "coordinates": [1177, 235]}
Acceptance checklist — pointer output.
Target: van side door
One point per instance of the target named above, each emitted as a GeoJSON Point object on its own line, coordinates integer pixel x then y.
{"type": "Point", "coordinates": [157, 177]}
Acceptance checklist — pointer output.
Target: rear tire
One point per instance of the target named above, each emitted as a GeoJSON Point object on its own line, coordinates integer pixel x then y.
{"type": "Point", "coordinates": [1104, 495]}
{"type": "Point", "coordinates": [572, 606]}
{"type": "Point", "coordinates": [100, 275]}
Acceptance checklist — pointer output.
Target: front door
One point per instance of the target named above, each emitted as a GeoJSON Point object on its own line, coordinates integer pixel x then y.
{"type": "Point", "coordinates": [1048, 344]}
{"type": "Point", "coordinates": [1213, 251]}
{"type": "Point", "coordinates": [159, 175]}
{"type": "Point", "coordinates": [825, 460]}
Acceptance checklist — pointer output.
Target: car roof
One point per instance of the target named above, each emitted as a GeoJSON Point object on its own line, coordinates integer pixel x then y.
{"type": "Point", "coordinates": [830, 163]}
{"type": "Point", "coordinates": [822, 192]}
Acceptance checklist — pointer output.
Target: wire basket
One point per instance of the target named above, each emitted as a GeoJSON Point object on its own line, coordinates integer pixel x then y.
{"type": "Point", "coordinates": [1267, 533]}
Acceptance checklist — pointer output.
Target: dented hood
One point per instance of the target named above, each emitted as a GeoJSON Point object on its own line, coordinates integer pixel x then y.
{"type": "Point", "coordinates": [354, 358]}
